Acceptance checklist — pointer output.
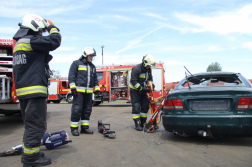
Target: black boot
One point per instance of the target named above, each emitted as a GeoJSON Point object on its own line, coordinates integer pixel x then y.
{"type": "Point", "coordinates": [143, 121]}
{"type": "Point", "coordinates": [41, 154]}
{"type": "Point", "coordinates": [87, 131]}
{"type": "Point", "coordinates": [138, 125]}
{"type": "Point", "coordinates": [75, 132]}
{"type": "Point", "coordinates": [42, 161]}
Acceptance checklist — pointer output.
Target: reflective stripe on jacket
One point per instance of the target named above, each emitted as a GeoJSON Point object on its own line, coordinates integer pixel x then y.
{"type": "Point", "coordinates": [82, 76]}
{"type": "Point", "coordinates": [139, 76]}
{"type": "Point", "coordinates": [30, 57]}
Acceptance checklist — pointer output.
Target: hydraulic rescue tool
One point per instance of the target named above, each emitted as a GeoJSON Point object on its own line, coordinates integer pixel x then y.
{"type": "Point", "coordinates": [53, 142]}
{"type": "Point", "coordinates": [151, 126]}
{"type": "Point", "coordinates": [14, 151]}
{"type": "Point", "coordinates": [106, 130]}
{"type": "Point", "coordinates": [47, 140]}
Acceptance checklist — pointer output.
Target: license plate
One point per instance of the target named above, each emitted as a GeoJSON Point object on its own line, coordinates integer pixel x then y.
{"type": "Point", "coordinates": [211, 105]}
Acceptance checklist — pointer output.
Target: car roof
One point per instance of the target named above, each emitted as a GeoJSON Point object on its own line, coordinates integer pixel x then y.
{"type": "Point", "coordinates": [215, 73]}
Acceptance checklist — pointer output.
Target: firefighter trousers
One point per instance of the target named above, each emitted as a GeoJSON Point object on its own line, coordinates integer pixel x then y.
{"type": "Point", "coordinates": [140, 105]}
{"type": "Point", "coordinates": [33, 112]}
{"type": "Point", "coordinates": [81, 109]}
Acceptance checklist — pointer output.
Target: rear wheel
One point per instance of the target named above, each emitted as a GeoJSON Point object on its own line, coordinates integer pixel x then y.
{"type": "Point", "coordinates": [70, 98]}
{"type": "Point", "coordinates": [56, 101]}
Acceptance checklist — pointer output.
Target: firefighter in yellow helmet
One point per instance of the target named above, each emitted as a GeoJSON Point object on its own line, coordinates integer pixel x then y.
{"type": "Point", "coordinates": [82, 79]}
{"type": "Point", "coordinates": [140, 75]}
{"type": "Point", "coordinates": [30, 68]}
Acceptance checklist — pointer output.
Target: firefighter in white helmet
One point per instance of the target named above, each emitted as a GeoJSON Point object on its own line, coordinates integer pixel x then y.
{"type": "Point", "coordinates": [30, 68]}
{"type": "Point", "coordinates": [82, 79]}
{"type": "Point", "coordinates": [140, 75]}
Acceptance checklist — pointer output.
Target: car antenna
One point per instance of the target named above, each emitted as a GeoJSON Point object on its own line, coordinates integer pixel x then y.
{"type": "Point", "coordinates": [191, 74]}
{"type": "Point", "coordinates": [187, 81]}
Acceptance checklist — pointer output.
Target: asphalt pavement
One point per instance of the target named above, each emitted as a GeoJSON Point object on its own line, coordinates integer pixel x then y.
{"type": "Point", "coordinates": [130, 148]}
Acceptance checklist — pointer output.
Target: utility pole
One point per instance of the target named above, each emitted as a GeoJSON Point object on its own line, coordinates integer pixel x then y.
{"type": "Point", "coordinates": [102, 53]}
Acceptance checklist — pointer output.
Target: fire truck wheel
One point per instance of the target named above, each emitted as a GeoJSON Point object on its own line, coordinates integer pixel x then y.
{"type": "Point", "coordinates": [70, 98]}
{"type": "Point", "coordinates": [96, 103]}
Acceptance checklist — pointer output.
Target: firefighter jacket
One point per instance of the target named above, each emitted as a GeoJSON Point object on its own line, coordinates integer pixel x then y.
{"type": "Point", "coordinates": [139, 76]}
{"type": "Point", "coordinates": [30, 57]}
{"type": "Point", "coordinates": [82, 76]}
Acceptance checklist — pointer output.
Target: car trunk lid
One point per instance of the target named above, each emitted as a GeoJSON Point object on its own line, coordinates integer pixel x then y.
{"type": "Point", "coordinates": [209, 101]}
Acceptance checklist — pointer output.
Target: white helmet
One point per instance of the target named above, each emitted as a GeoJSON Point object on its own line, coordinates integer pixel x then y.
{"type": "Point", "coordinates": [88, 51]}
{"type": "Point", "coordinates": [149, 60]}
{"type": "Point", "coordinates": [33, 22]}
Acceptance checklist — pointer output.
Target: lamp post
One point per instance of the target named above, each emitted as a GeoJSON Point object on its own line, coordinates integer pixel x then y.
{"type": "Point", "coordinates": [102, 53]}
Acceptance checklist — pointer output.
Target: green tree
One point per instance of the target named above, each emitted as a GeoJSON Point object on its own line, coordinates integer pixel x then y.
{"type": "Point", "coordinates": [214, 67]}
{"type": "Point", "coordinates": [56, 74]}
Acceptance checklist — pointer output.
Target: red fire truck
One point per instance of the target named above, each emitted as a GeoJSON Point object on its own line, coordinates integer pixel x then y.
{"type": "Point", "coordinates": [57, 90]}
{"type": "Point", "coordinates": [114, 82]}
{"type": "Point", "coordinates": [9, 103]}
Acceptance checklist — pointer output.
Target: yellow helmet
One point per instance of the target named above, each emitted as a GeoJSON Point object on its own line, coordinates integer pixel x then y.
{"type": "Point", "coordinates": [149, 60]}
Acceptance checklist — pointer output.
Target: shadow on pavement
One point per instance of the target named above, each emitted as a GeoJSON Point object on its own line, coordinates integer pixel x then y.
{"type": "Point", "coordinates": [198, 140]}
{"type": "Point", "coordinates": [10, 123]}
{"type": "Point", "coordinates": [114, 105]}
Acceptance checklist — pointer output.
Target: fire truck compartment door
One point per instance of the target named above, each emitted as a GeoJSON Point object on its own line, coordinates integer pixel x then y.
{"type": "Point", "coordinates": [129, 76]}
{"type": "Point", "coordinates": [52, 89]}
{"type": "Point", "coordinates": [157, 78]}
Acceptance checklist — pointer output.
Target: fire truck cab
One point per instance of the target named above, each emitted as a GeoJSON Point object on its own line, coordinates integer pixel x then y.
{"type": "Point", "coordinates": [9, 103]}
{"type": "Point", "coordinates": [57, 90]}
{"type": "Point", "coordinates": [114, 82]}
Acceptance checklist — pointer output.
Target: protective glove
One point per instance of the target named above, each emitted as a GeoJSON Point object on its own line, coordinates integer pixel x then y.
{"type": "Point", "coordinates": [74, 92]}
{"type": "Point", "coordinates": [47, 22]}
{"type": "Point", "coordinates": [153, 86]}
{"type": "Point", "coordinates": [97, 93]}
{"type": "Point", "coordinates": [144, 89]}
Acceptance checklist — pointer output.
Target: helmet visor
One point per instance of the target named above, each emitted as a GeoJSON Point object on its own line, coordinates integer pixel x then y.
{"type": "Point", "coordinates": [153, 65]}
{"type": "Point", "coordinates": [92, 54]}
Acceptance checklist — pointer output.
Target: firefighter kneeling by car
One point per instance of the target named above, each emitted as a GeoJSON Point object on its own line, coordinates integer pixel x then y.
{"type": "Point", "coordinates": [140, 75]}
{"type": "Point", "coordinates": [82, 78]}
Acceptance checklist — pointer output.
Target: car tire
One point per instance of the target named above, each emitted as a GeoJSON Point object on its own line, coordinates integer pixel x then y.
{"type": "Point", "coordinates": [70, 98]}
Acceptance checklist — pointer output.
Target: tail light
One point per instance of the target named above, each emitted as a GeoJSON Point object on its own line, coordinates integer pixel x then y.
{"type": "Point", "coordinates": [244, 103]}
{"type": "Point", "coordinates": [173, 104]}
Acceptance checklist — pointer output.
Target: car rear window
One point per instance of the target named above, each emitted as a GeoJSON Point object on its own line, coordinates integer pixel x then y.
{"type": "Point", "coordinates": [211, 80]}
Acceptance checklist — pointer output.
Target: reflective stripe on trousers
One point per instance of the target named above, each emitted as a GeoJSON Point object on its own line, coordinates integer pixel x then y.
{"type": "Point", "coordinates": [74, 124]}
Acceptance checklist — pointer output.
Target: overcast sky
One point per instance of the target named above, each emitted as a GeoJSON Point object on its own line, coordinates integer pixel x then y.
{"type": "Point", "coordinates": [178, 33]}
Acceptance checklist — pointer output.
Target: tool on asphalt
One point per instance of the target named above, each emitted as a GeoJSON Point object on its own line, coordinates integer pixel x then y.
{"type": "Point", "coordinates": [153, 122]}
{"type": "Point", "coordinates": [47, 140]}
{"type": "Point", "coordinates": [53, 142]}
{"type": "Point", "coordinates": [16, 150]}
{"type": "Point", "coordinates": [106, 130]}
